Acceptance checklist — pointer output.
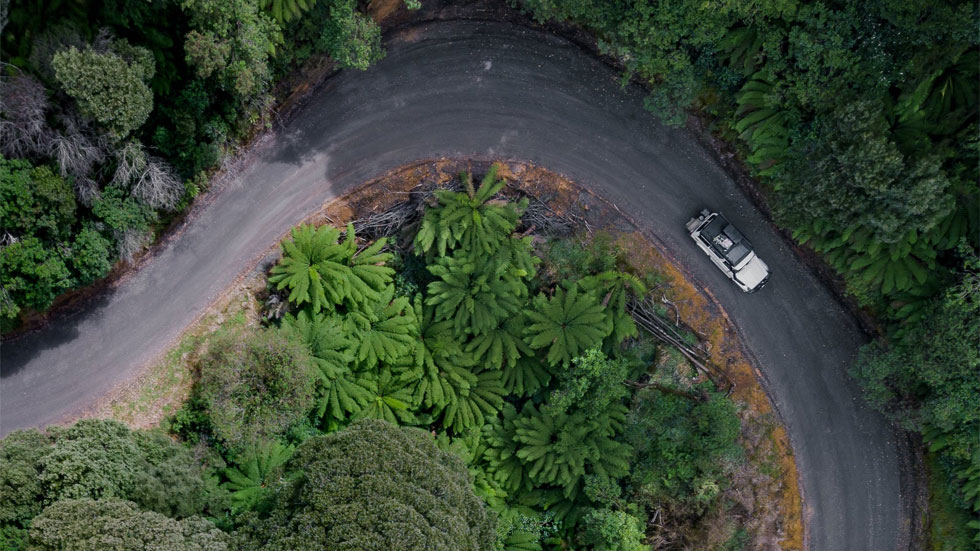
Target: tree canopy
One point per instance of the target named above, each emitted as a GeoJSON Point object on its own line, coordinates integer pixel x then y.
{"type": "Point", "coordinates": [374, 486]}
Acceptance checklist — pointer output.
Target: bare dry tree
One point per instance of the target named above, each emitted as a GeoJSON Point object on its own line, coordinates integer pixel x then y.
{"type": "Point", "coordinates": [77, 152]}
{"type": "Point", "coordinates": [149, 179]}
{"type": "Point", "coordinates": [131, 164]}
{"type": "Point", "coordinates": [159, 186]}
{"type": "Point", "coordinates": [87, 190]}
{"type": "Point", "coordinates": [23, 105]}
{"type": "Point", "coordinates": [130, 242]}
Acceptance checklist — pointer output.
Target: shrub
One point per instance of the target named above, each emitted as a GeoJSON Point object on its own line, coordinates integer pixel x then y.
{"type": "Point", "coordinates": [376, 487]}
{"type": "Point", "coordinates": [97, 525]}
{"type": "Point", "coordinates": [681, 447]}
{"type": "Point", "coordinates": [107, 87]}
{"type": "Point", "coordinates": [254, 385]}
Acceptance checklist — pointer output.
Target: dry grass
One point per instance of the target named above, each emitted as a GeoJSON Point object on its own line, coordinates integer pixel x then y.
{"type": "Point", "coordinates": [162, 388]}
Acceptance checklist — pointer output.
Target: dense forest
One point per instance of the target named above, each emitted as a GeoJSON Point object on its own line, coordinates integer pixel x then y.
{"type": "Point", "coordinates": [455, 391]}
{"type": "Point", "coordinates": [114, 111]}
{"type": "Point", "coordinates": [860, 121]}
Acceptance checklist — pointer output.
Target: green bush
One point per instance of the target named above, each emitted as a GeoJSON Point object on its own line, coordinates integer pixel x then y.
{"type": "Point", "coordinates": [376, 487]}
{"type": "Point", "coordinates": [682, 448]}
{"type": "Point", "coordinates": [254, 385]}
{"type": "Point", "coordinates": [98, 525]}
{"type": "Point", "coordinates": [108, 88]}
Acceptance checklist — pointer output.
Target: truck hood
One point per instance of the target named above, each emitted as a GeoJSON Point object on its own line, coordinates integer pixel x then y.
{"type": "Point", "coordinates": [753, 273]}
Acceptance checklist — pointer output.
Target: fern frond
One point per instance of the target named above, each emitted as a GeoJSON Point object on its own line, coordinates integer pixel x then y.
{"type": "Point", "coordinates": [568, 324]}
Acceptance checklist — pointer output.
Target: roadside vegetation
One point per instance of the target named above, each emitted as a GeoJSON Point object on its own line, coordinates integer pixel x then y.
{"type": "Point", "coordinates": [860, 120]}
{"type": "Point", "coordinates": [464, 384]}
{"type": "Point", "coordinates": [113, 112]}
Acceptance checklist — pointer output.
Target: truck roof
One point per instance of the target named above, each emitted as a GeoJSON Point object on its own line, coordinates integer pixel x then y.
{"type": "Point", "coordinates": [726, 240]}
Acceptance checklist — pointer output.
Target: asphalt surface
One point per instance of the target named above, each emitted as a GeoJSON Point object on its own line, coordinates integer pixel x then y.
{"type": "Point", "coordinates": [485, 90]}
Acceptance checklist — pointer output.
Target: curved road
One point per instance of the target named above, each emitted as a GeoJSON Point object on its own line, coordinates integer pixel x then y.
{"type": "Point", "coordinates": [492, 90]}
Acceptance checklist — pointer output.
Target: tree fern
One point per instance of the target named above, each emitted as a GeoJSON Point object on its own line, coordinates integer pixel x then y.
{"type": "Point", "coordinates": [442, 364]}
{"type": "Point", "coordinates": [474, 403]}
{"type": "Point", "coordinates": [501, 346]}
{"type": "Point", "coordinates": [762, 121]}
{"type": "Point", "coordinates": [324, 336]}
{"type": "Point", "coordinates": [501, 453]}
{"type": "Point", "coordinates": [308, 266]}
{"type": "Point", "coordinates": [568, 324]}
{"type": "Point", "coordinates": [249, 480]}
{"type": "Point", "coordinates": [386, 332]}
{"type": "Point", "coordinates": [323, 272]}
{"type": "Point", "coordinates": [519, 540]}
{"type": "Point", "coordinates": [553, 446]}
{"type": "Point", "coordinates": [471, 219]}
{"type": "Point", "coordinates": [612, 289]}
{"type": "Point", "coordinates": [743, 49]}
{"type": "Point", "coordinates": [527, 376]}
{"type": "Point", "coordinates": [392, 399]}
{"type": "Point", "coordinates": [284, 11]}
{"type": "Point", "coordinates": [368, 275]}
{"type": "Point", "coordinates": [476, 294]}
{"type": "Point", "coordinates": [340, 393]}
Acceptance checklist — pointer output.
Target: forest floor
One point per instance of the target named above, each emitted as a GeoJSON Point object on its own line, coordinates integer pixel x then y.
{"type": "Point", "coordinates": [766, 491]}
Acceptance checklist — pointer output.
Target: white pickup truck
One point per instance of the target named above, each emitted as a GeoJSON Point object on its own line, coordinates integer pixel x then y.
{"type": "Point", "coordinates": [729, 250]}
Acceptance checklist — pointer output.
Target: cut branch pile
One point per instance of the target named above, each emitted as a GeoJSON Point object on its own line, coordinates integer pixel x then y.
{"type": "Point", "coordinates": [645, 316]}
{"type": "Point", "coordinates": [400, 217]}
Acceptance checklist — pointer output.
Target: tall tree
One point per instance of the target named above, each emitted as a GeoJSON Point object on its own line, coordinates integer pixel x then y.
{"type": "Point", "coordinates": [96, 525]}
{"type": "Point", "coordinates": [110, 86]}
{"type": "Point", "coordinates": [374, 487]}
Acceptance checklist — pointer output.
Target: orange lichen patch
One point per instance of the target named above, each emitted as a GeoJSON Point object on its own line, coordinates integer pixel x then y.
{"type": "Point", "coordinates": [790, 503]}
{"type": "Point", "coordinates": [379, 10]}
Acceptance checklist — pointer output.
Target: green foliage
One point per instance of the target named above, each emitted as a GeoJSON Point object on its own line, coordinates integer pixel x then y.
{"type": "Point", "coordinates": [121, 213]}
{"type": "Point", "coordinates": [108, 88]}
{"type": "Point", "coordinates": [374, 486]}
{"type": "Point", "coordinates": [477, 294]}
{"type": "Point", "coordinates": [681, 447]}
{"type": "Point", "coordinates": [231, 41]}
{"type": "Point", "coordinates": [471, 220]}
{"type": "Point", "coordinates": [91, 256]}
{"type": "Point", "coordinates": [385, 333]}
{"type": "Point", "coordinates": [351, 38]}
{"type": "Point", "coordinates": [97, 459]}
{"type": "Point", "coordinates": [34, 201]}
{"type": "Point", "coordinates": [255, 384]}
{"type": "Point", "coordinates": [927, 380]}
{"type": "Point", "coordinates": [568, 324]}
{"type": "Point", "coordinates": [591, 384]}
{"type": "Point", "coordinates": [32, 274]}
{"type": "Point", "coordinates": [849, 175]}
{"type": "Point", "coordinates": [96, 525]}
{"type": "Point", "coordinates": [251, 481]}
{"type": "Point", "coordinates": [21, 491]}
{"type": "Point", "coordinates": [325, 273]}
{"type": "Point", "coordinates": [611, 530]}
